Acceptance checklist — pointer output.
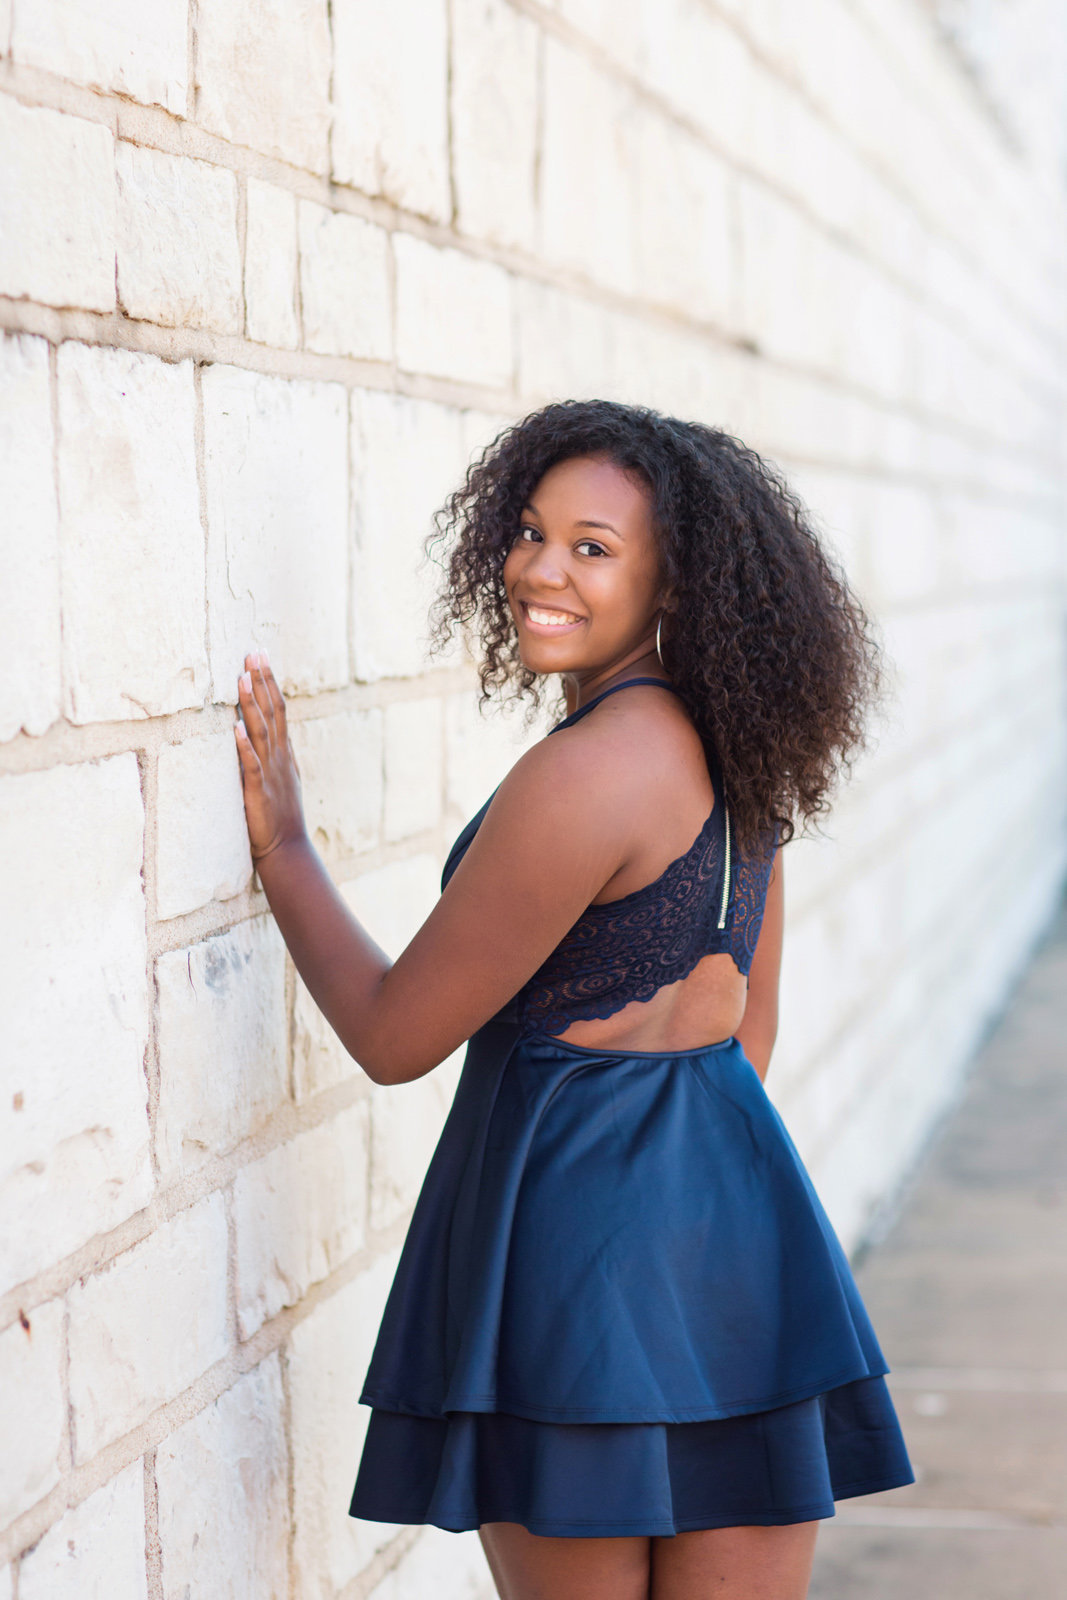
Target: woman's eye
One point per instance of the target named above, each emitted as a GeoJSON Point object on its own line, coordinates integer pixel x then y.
{"type": "Point", "coordinates": [597, 549]}
{"type": "Point", "coordinates": [526, 528]}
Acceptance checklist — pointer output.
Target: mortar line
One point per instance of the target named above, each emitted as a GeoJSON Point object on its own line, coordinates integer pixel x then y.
{"type": "Point", "coordinates": [203, 347]}
{"type": "Point", "coordinates": [152, 1542]}
{"type": "Point", "coordinates": [344, 197]}
{"type": "Point", "coordinates": [569, 35]}
{"type": "Point", "coordinates": [119, 1453]}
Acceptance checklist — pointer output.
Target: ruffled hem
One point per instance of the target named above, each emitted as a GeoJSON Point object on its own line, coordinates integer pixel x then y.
{"type": "Point", "coordinates": [783, 1465]}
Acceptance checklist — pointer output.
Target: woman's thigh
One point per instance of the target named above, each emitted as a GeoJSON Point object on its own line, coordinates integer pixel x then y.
{"type": "Point", "coordinates": [529, 1566]}
{"type": "Point", "coordinates": [735, 1563]}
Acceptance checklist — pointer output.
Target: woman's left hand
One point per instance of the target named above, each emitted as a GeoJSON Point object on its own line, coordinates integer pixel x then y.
{"type": "Point", "coordinates": [269, 773]}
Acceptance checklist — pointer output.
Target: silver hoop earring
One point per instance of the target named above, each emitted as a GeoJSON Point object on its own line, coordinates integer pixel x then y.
{"type": "Point", "coordinates": [659, 626]}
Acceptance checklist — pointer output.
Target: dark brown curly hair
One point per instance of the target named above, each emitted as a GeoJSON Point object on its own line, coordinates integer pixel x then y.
{"type": "Point", "coordinates": [775, 658]}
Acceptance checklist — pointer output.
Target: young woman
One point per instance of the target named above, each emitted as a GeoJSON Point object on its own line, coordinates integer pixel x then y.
{"type": "Point", "coordinates": [623, 1340]}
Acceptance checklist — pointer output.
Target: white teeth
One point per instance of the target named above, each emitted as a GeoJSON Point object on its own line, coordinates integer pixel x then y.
{"type": "Point", "coordinates": [551, 619]}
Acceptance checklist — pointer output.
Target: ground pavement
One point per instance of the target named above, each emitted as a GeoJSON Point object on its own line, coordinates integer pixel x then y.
{"type": "Point", "coordinates": [968, 1293]}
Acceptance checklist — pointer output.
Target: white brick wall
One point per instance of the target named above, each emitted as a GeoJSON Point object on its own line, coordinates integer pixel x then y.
{"type": "Point", "coordinates": [97, 1548]}
{"type": "Point", "coordinates": [270, 272]}
{"type": "Point", "coordinates": [130, 526]}
{"type": "Point", "coordinates": [29, 600]}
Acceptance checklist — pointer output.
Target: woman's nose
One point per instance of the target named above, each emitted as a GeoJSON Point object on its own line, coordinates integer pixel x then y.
{"type": "Point", "coordinates": [546, 567]}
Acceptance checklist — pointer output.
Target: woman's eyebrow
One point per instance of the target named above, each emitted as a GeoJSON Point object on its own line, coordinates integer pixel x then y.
{"type": "Point", "coordinates": [584, 522]}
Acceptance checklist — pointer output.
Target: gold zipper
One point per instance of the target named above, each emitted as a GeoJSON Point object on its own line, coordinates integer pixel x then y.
{"type": "Point", "coordinates": [726, 869]}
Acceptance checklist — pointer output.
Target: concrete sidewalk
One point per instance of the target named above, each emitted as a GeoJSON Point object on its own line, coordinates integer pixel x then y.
{"type": "Point", "coordinates": [968, 1293]}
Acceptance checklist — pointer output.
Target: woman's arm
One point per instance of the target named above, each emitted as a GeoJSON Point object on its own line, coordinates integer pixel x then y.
{"type": "Point", "coordinates": [542, 853]}
{"type": "Point", "coordinates": [759, 1026]}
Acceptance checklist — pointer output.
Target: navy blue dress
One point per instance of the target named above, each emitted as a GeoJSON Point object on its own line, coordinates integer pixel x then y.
{"type": "Point", "coordinates": [620, 1307]}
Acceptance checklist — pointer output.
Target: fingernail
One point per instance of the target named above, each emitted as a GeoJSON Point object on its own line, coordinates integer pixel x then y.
{"type": "Point", "coordinates": [264, 659]}
{"type": "Point", "coordinates": [246, 681]}
{"type": "Point", "coordinates": [242, 731]}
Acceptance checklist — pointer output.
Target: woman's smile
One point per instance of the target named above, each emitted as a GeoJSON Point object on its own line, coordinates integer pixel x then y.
{"type": "Point", "coordinates": [548, 619]}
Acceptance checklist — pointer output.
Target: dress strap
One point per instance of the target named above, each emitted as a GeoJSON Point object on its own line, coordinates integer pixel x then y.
{"type": "Point", "coordinates": [629, 684]}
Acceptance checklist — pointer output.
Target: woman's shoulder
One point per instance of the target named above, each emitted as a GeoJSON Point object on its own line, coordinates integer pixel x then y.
{"type": "Point", "coordinates": [635, 748]}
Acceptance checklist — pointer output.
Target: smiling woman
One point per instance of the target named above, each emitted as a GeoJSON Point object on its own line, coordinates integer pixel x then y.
{"type": "Point", "coordinates": [623, 1340]}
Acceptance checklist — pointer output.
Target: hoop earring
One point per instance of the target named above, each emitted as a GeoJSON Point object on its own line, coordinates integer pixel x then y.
{"type": "Point", "coordinates": [659, 626]}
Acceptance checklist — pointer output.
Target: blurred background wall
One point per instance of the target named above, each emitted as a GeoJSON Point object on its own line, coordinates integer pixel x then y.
{"type": "Point", "coordinates": [270, 270]}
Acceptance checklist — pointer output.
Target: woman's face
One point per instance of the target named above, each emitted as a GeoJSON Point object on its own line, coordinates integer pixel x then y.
{"type": "Point", "coordinates": [583, 577]}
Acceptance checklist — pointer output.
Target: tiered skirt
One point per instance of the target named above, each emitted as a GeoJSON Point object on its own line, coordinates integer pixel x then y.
{"type": "Point", "coordinates": [620, 1309]}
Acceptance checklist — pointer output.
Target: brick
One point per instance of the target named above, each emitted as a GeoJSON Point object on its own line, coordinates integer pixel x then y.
{"type": "Point", "coordinates": [344, 284]}
{"type": "Point", "coordinates": [222, 1043]}
{"type": "Point", "coordinates": [132, 547]}
{"type": "Point", "coordinates": [57, 209]}
{"type": "Point", "coordinates": [327, 1359]}
{"type": "Point", "coordinates": [413, 740]}
{"type": "Point", "coordinates": [494, 121]}
{"type": "Point", "coordinates": [35, 1415]}
{"type": "Point", "coordinates": [277, 505]}
{"type": "Point", "coordinates": [223, 1503]}
{"type": "Point", "coordinates": [405, 1125]}
{"type": "Point", "coordinates": [263, 77]}
{"type": "Point", "coordinates": [684, 235]}
{"type": "Point", "coordinates": [453, 314]}
{"type": "Point", "coordinates": [407, 456]}
{"type": "Point", "coordinates": [481, 747]}
{"type": "Point", "coordinates": [138, 51]}
{"type": "Point", "coordinates": [29, 601]}
{"type": "Point", "coordinates": [394, 901]}
{"type": "Point", "coordinates": [390, 132]}
{"type": "Point", "coordinates": [565, 344]}
{"type": "Point", "coordinates": [299, 1213]}
{"type": "Point", "coordinates": [588, 227]}
{"type": "Point", "coordinates": [341, 779]}
{"type": "Point", "coordinates": [98, 1548]}
{"type": "Point", "coordinates": [202, 849]}
{"type": "Point", "coordinates": [145, 1326]}
{"type": "Point", "coordinates": [179, 262]}
{"type": "Point", "coordinates": [451, 1566]}
{"type": "Point", "coordinates": [271, 266]}
{"type": "Point", "coordinates": [74, 1149]}
{"type": "Point", "coordinates": [320, 1060]}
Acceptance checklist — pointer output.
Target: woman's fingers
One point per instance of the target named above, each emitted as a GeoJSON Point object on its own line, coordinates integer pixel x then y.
{"type": "Point", "coordinates": [255, 721]}
{"type": "Point", "coordinates": [277, 700]}
{"type": "Point", "coordinates": [250, 767]}
{"type": "Point", "coordinates": [260, 692]}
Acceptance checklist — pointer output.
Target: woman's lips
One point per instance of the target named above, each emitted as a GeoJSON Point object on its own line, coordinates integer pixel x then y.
{"type": "Point", "coordinates": [537, 619]}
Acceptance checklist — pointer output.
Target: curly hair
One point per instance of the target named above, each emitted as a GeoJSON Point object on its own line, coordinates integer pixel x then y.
{"type": "Point", "coordinates": [776, 660]}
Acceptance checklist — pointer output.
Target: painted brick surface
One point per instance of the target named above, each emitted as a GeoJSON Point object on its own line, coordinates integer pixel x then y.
{"type": "Point", "coordinates": [178, 252]}
{"type": "Point", "coordinates": [57, 208]}
{"type": "Point", "coordinates": [130, 526]}
{"type": "Point", "coordinates": [222, 1042]}
{"type": "Point", "coordinates": [202, 849]}
{"type": "Point", "coordinates": [299, 1213]}
{"type": "Point", "coordinates": [29, 600]}
{"type": "Point", "coordinates": [148, 1325]}
{"type": "Point", "coordinates": [221, 1479]}
{"type": "Point", "coordinates": [140, 51]}
{"type": "Point", "coordinates": [263, 77]}
{"type": "Point", "coordinates": [344, 284]}
{"type": "Point", "coordinates": [326, 1362]}
{"type": "Point", "coordinates": [75, 1141]}
{"type": "Point", "coordinates": [97, 1548]}
{"type": "Point", "coordinates": [406, 456]}
{"type": "Point", "coordinates": [271, 257]}
{"type": "Point", "coordinates": [277, 564]}
{"type": "Point", "coordinates": [35, 1423]}
{"type": "Point", "coordinates": [390, 131]}
{"type": "Point", "coordinates": [453, 315]}
{"type": "Point", "coordinates": [413, 751]}
{"type": "Point", "coordinates": [272, 272]}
